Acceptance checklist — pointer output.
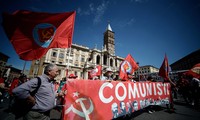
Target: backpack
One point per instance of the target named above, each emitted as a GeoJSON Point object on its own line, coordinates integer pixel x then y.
{"type": "Point", "coordinates": [20, 107]}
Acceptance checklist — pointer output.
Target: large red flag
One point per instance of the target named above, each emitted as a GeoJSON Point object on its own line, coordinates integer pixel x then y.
{"type": "Point", "coordinates": [164, 69]}
{"type": "Point", "coordinates": [128, 66]}
{"type": "Point", "coordinates": [95, 72]}
{"type": "Point", "coordinates": [32, 34]}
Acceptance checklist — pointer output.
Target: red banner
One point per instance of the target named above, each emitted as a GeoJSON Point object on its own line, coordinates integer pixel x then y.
{"type": "Point", "coordinates": [87, 99]}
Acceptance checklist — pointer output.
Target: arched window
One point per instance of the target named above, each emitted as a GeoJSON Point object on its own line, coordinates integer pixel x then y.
{"type": "Point", "coordinates": [54, 54]}
{"type": "Point", "coordinates": [98, 59]}
{"type": "Point", "coordinates": [111, 62]}
{"type": "Point", "coordinates": [61, 55]}
{"type": "Point", "coordinates": [105, 59]}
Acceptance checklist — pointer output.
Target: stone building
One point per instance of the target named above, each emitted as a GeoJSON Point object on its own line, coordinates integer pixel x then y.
{"type": "Point", "coordinates": [3, 61]}
{"type": "Point", "coordinates": [80, 59]}
{"type": "Point", "coordinates": [146, 71]}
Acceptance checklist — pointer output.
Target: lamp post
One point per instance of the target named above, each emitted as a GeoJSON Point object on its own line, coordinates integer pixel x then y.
{"type": "Point", "coordinates": [138, 71]}
{"type": "Point", "coordinates": [85, 67]}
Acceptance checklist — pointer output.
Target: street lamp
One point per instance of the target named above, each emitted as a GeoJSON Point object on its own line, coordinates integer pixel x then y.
{"type": "Point", "coordinates": [138, 71]}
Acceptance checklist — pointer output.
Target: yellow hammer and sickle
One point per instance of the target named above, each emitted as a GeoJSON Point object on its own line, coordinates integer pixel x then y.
{"type": "Point", "coordinates": [46, 34]}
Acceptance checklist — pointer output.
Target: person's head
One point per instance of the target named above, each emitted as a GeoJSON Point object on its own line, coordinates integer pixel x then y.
{"type": "Point", "coordinates": [108, 72]}
{"type": "Point", "coordinates": [51, 70]}
{"type": "Point", "coordinates": [72, 76]}
{"type": "Point", "coordinates": [149, 78]}
{"type": "Point", "coordinates": [130, 76]}
{"type": "Point", "coordinates": [114, 108]}
{"type": "Point", "coordinates": [122, 106]}
{"type": "Point", "coordinates": [135, 105]}
{"type": "Point", "coordinates": [23, 78]}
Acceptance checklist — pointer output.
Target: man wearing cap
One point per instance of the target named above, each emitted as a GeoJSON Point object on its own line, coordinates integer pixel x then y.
{"type": "Point", "coordinates": [72, 76]}
{"type": "Point", "coordinates": [107, 75]}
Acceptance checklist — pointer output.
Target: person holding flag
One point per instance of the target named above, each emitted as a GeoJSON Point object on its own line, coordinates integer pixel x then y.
{"type": "Point", "coordinates": [164, 72]}
{"type": "Point", "coordinates": [127, 67]}
{"type": "Point", "coordinates": [95, 73]}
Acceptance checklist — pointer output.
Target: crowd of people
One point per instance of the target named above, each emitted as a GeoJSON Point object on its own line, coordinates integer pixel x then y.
{"type": "Point", "coordinates": [50, 93]}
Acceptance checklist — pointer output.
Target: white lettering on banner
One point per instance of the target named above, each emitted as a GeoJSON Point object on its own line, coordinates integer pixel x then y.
{"type": "Point", "coordinates": [154, 88]}
{"type": "Point", "coordinates": [159, 89]}
{"type": "Point", "coordinates": [101, 96]}
{"type": "Point", "coordinates": [120, 98]}
{"type": "Point", "coordinates": [143, 94]}
{"type": "Point", "coordinates": [166, 91]}
{"type": "Point", "coordinates": [149, 88]}
{"type": "Point", "coordinates": [133, 91]}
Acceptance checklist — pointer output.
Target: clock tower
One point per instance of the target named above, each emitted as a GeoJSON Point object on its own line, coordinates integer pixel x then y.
{"type": "Point", "coordinates": [109, 40]}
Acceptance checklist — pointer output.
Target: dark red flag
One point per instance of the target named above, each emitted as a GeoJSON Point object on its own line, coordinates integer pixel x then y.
{"type": "Point", "coordinates": [164, 69]}
{"type": "Point", "coordinates": [128, 66]}
{"type": "Point", "coordinates": [32, 34]}
{"type": "Point", "coordinates": [194, 71]}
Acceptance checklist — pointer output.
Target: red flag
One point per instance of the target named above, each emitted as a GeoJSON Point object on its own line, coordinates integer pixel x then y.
{"type": "Point", "coordinates": [194, 71]}
{"type": "Point", "coordinates": [164, 69]}
{"type": "Point", "coordinates": [32, 34]}
{"type": "Point", "coordinates": [128, 66]}
{"type": "Point", "coordinates": [95, 72]}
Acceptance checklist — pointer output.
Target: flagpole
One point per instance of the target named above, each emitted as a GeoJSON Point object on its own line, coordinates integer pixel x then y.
{"type": "Point", "coordinates": [67, 66]}
{"type": "Point", "coordinates": [101, 62]}
{"type": "Point", "coordinates": [24, 67]}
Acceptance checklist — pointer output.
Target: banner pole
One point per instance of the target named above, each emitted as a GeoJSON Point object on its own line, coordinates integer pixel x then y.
{"type": "Point", "coordinates": [67, 66]}
{"type": "Point", "coordinates": [24, 67]}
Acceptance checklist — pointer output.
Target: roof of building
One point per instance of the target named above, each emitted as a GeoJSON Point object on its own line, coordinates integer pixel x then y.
{"type": "Point", "coordinates": [109, 27]}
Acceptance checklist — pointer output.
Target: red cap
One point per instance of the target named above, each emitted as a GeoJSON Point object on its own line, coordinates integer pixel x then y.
{"type": "Point", "coordinates": [72, 76]}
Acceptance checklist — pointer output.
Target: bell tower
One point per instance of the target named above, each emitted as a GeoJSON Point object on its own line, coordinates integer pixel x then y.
{"type": "Point", "coordinates": [109, 40]}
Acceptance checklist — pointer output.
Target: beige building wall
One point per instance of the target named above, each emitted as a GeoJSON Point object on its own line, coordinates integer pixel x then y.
{"type": "Point", "coordinates": [146, 70]}
{"type": "Point", "coordinates": [80, 60]}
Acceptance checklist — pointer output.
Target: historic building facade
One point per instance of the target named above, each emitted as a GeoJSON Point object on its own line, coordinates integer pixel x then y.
{"type": "Point", "coordinates": [3, 61]}
{"type": "Point", "coordinates": [147, 70]}
{"type": "Point", "coordinates": [80, 59]}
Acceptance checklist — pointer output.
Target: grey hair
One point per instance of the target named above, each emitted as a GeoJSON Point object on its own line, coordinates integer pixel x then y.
{"type": "Point", "coordinates": [48, 68]}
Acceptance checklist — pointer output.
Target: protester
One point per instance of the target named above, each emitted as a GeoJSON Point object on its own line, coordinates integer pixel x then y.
{"type": "Point", "coordinates": [195, 89]}
{"type": "Point", "coordinates": [44, 99]}
{"type": "Point", "coordinates": [3, 88]}
{"type": "Point", "coordinates": [130, 77]}
{"type": "Point", "coordinates": [170, 106]}
{"type": "Point", "coordinates": [62, 82]}
{"type": "Point", "coordinates": [107, 75]}
{"type": "Point", "coordinates": [72, 76]}
{"type": "Point", "coordinates": [184, 88]}
{"type": "Point", "coordinates": [17, 82]}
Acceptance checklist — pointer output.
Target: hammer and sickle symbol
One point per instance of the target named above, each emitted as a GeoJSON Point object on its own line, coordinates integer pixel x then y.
{"type": "Point", "coordinates": [85, 112]}
{"type": "Point", "coordinates": [46, 34]}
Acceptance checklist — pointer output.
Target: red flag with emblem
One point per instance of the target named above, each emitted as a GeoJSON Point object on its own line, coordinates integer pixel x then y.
{"type": "Point", "coordinates": [128, 66]}
{"type": "Point", "coordinates": [95, 72]}
{"type": "Point", "coordinates": [164, 69]}
{"type": "Point", "coordinates": [32, 34]}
